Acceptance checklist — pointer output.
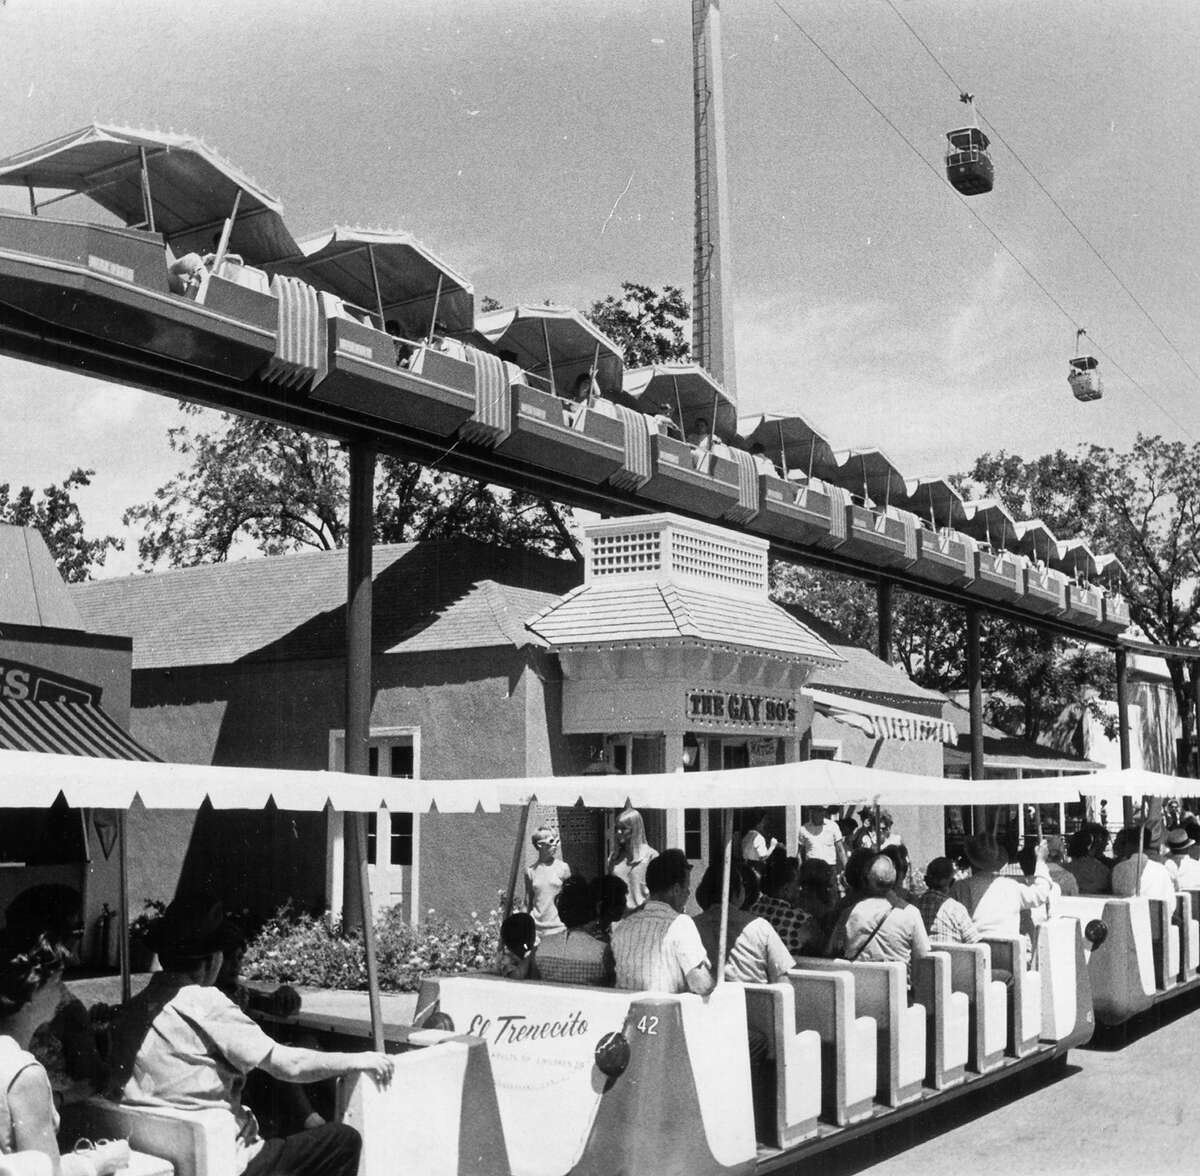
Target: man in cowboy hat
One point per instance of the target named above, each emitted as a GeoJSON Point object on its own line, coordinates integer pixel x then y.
{"type": "Point", "coordinates": [1183, 868]}
{"type": "Point", "coordinates": [183, 1043]}
{"type": "Point", "coordinates": [995, 901]}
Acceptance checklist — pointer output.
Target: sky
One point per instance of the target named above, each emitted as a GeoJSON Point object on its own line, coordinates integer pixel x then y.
{"type": "Point", "coordinates": [545, 150]}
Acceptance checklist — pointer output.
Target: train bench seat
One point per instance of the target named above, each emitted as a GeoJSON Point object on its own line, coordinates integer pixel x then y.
{"type": "Point", "coordinates": [793, 1063]}
{"type": "Point", "coordinates": [195, 1143]}
{"type": "Point", "coordinates": [881, 994]}
{"type": "Point", "coordinates": [971, 973]}
{"type": "Point", "coordinates": [1025, 996]}
{"type": "Point", "coordinates": [1121, 964]}
{"type": "Point", "coordinates": [1066, 989]}
{"type": "Point", "coordinates": [825, 1002]}
{"type": "Point", "coordinates": [948, 1021]}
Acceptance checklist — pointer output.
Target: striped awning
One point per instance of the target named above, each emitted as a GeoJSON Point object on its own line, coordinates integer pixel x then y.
{"type": "Point", "coordinates": [883, 722]}
{"type": "Point", "coordinates": [67, 728]}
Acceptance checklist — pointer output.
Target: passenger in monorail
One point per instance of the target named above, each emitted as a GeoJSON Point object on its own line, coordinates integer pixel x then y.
{"type": "Point", "coordinates": [631, 857]}
{"type": "Point", "coordinates": [31, 972]}
{"type": "Point", "coordinates": [754, 953]}
{"type": "Point", "coordinates": [183, 1043]}
{"type": "Point", "coordinates": [574, 956]}
{"type": "Point", "coordinates": [945, 918]}
{"type": "Point", "coordinates": [657, 948]}
{"type": "Point", "coordinates": [666, 423]}
{"type": "Point", "coordinates": [764, 464]}
{"type": "Point", "coordinates": [879, 927]}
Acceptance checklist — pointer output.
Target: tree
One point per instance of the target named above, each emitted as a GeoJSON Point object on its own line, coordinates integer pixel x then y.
{"type": "Point", "coordinates": [56, 516]}
{"type": "Point", "coordinates": [282, 490]}
{"type": "Point", "coordinates": [1143, 506]}
{"type": "Point", "coordinates": [648, 325]}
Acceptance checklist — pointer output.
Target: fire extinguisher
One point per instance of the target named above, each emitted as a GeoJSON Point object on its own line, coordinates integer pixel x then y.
{"type": "Point", "coordinates": [105, 947]}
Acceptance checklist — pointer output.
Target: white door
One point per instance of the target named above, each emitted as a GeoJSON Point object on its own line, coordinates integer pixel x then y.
{"type": "Point", "coordinates": [390, 835]}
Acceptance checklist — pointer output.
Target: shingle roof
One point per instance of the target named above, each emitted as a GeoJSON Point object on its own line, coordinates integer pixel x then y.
{"type": "Point", "coordinates": [648, 610]}
{"type": "Point", "coordinates": [31, 590]}
{"type": "Point", "coordinates": [862, 673]}
{"type": "Point", "coordinates": [439, 594]}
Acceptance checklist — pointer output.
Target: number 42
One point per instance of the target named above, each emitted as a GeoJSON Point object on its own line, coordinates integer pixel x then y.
{"type": "Point", "coordinates": [648, 1025]}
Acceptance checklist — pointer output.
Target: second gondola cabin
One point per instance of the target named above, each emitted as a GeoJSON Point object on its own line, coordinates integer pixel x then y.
{"type": "Point", "coordinates": [968, 165]}
{"type": "Point", "coordinates": [1084, 378]}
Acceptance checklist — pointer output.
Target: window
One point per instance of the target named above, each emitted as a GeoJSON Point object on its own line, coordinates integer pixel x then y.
{"type": "Point", "coordinates": [693, 834]}
{"type": "Point", "coordinates": [824, 751]}
{"type": "Point", "coordinates": [388, 756]}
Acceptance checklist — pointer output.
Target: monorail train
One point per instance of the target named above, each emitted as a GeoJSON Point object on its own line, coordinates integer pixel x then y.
{"type": "Point", "coordinates": [276, 322]}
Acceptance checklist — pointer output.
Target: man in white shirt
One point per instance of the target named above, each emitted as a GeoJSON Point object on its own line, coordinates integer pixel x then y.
{"type": "Point", "coordinates": [995, 901]}
{"type": "Point", "coordinates": [658, 948]}
{"type": "Point", "coordinates": [1183, 868]}
{"type": "Point", "coordinates": [1155, 881]}
{"type": "Point", "coordinates": [756, 846]}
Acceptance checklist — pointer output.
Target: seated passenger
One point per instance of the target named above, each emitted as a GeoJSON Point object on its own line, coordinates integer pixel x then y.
{"type": "Point", "coordinates": [185, 273]}
{"type": "Point", "coordinates": [658, 948]}
{"type": "Point", "coordinates": [66, 1044]}
{"type": "Point", "coordinates": [1056, 863]}
{"type": "Point", "coordinates": [1184, 869]}
{"type": "Point", "coordinates": [702, 442]}
{"type": "Point", "coordinates": [518, 934]}
{"type": "Point", "coordinates": [665, 420]}
{"type": "Point", "coordinates": [880, 928]}
{"type": "Point", "coordinates": [898, 855]}
{"type": "Point", "coordinates": [607, 895]}
{"type": "Point", "coordinates": [1155, 882]}
{"type": "Point", "coordinates": [945, 918]}
{"type": "Point", "coordinates": [404, 349]}
{"type": "Point", "coordinates": [1090, 873]}
{"type": "Point", "coordinates": [994, 901]}
{"type": "Point", "coordinates": [31, 986]}
{"type": "Point", "coordinates": [777, 903]}
{"type": "Point", "coordinates": [573, 956]}
{"type": "Point", "coordinates": [762, 461]}
{"type": "Point", "coordinates": [818, 888]}
{"type": "Point", "coordinates": [183, 1043]}
{"type": "Point", "coordinates": [754, 953]}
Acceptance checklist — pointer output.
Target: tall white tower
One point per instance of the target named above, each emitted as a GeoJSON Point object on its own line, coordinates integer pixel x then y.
{"type": "Point", "coordinates": [712, 291]}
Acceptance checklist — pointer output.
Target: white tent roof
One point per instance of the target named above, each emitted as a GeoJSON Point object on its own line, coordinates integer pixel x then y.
{"type": "Point", "coordinates": [35, 779]}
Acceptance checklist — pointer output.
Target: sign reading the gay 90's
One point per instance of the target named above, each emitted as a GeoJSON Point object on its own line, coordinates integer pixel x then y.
{"type": "Point", "coordinates": [735, 708]}
{"type": "Point", "coordinates": [541, 1041]}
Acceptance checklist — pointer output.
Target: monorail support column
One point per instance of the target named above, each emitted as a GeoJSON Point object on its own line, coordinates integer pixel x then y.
{"type": "Point", "coordinates": [883, 609]}
{"type": "Point", "coordinates": [1123, 726]}
{"type": "Point", "coordinates": [357, 888]}
{"type": "Point", "coordinates": [975, 704]}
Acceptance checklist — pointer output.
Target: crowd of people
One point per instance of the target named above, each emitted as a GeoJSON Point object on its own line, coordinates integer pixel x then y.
{"type": "Point", "coordinates": [847, 892]}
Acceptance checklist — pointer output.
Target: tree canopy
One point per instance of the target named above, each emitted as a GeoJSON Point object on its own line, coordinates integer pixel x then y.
{"type": "Point", "coordinates": [648, 325]}
{"type": "Point", "coordinates": [56, 516]}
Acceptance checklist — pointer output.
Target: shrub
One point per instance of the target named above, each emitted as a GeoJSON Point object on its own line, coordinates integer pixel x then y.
{"type": "Point", "coordinates": [298, 948]}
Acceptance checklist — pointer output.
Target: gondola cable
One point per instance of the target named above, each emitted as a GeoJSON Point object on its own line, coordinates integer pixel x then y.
{"type": "Point", "coordinates": [996, 134]}
{"type": "Point", "coordinates": [992, 232]}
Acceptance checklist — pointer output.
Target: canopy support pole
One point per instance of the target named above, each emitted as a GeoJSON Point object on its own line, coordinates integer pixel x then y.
{"type": "Point", "coordinates": [727, 865]}
{"type": "Point", "coordinates": [782, 451]}
{"type": "Point", "coordinates": [975, 690]}
{"type": "Point", "coordinates": [227, 231]}
{"type": "Point", "coordinates": [679, 408]}
{"type": "Point", "coordinates": [375, 284]}
{"type": "Point", "coordinates": [358, 703]}
{"type": "Point", "coordinates": [33, 204]}
{"type": "Point", "coordinates": [1141, 853]}
{"type": "Point", "coordinates": [549, 357]}
{"type": "Point", "coordinates": [883, 609]}
{"type": "Point", "coordinates": [1123, 726]}
{"type": "Point", "coordinates": [123, 905]}
{"type": "Point", "coordinates": [147, 203]}
{"type": "Point", "coordinates": [514, 871]}
{"type": "Point", "coordinates": [437, 301]}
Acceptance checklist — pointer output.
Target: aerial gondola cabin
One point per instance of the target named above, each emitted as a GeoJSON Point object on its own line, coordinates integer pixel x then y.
{"type": "Point", "coordinates": [1084, 378]}
{"type": "Point", "coordinates": [968, 165]}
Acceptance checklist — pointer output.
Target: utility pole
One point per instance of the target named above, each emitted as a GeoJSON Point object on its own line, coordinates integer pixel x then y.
{"type": "Point", "coordinates": [712, 290]}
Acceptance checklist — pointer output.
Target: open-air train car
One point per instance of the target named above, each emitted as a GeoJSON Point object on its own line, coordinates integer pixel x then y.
{"type": "Point", "coordinates": [653, 1083]}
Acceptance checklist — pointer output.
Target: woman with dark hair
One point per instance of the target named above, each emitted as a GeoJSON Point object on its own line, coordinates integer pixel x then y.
{"type": "Point", "coordinates": [31, 970]}
{"type": "Point", "coordinates": [66, 1043]}
{"type": "Point", "coordinates": [777, 903]}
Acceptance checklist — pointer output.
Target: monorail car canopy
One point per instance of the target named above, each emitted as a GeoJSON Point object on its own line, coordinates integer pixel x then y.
{"type": "Point", "coordinates": [692, 392]}
{"type": "Point", "coordinates": [157, 180]}
{"type": "Point", "coordinates": [793, 443]}
{"type": "Point", "coordinates": [388, 273]}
